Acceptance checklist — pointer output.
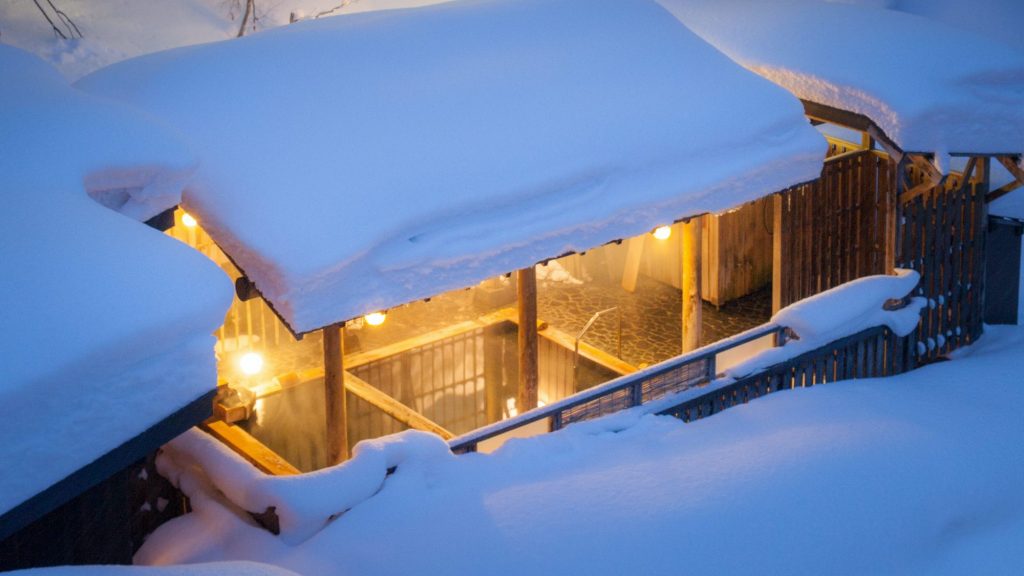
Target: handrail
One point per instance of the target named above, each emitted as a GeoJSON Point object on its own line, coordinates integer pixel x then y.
{"type": "Point", "coordinates": [468, 442]}
{"type": "Point", "coordinates": [583, 332]}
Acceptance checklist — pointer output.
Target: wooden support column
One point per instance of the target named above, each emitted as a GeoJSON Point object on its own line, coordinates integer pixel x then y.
{"type": "Point", "coordinates": [777, 277]}
{"type": "Point", "coordinates": [692, 320]}
{"type": "Point", "coordinates": [526, 302]}
{"type": "Point", "coordinates": [334, 394]}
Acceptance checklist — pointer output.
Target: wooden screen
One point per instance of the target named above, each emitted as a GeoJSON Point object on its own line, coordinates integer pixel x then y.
{"type": "Point", "coordinates": [942, 236]}
{"type": "Point", "coordinates": [832, 230]}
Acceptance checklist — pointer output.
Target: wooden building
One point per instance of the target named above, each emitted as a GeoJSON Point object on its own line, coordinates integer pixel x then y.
{"type": "Point", "coordinates": [506, 280]}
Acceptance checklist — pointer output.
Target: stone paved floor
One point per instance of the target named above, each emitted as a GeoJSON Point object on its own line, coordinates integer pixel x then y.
{"type": "Point", "coordinates": [651, 316]}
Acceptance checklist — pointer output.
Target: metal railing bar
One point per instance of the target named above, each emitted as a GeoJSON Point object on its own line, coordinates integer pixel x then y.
{"type": "Point", "coordinates": [470, 439]}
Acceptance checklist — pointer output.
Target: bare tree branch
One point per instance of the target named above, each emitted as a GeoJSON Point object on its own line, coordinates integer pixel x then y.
{"type": "Point", "coordinates": [250, 14]}
{"type": "Point", "coordinates": [335, 9]}
{"type": "Point", "coordinates": [56, 31]}
{"type": "Point", "coordinates": [68, 22]}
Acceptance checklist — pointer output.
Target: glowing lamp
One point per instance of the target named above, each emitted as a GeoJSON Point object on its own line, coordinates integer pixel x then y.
{"type": "Point", "coordinates": [188, 220]}
{"type": "Point", "coordinates": [251, 363]}
{"type": "Point", "coordinates": [376, 318]}
{"type": "Point", "coordinates": [662, 232]}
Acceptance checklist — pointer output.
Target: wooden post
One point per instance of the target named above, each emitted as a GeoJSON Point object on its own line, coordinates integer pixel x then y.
{"type": "Point", "coordinates": [692, 320]}
{"type": "Point", "coordinates": [526, 294]}
{"type": "Point", "coordinates": [334, 394]}
{"type": "Point", "coordinates": [777, 277]}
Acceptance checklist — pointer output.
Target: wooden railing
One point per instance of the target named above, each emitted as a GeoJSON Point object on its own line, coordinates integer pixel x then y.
{"type": "Point", "coordinates": [871, 353]}
{"type": "Point", "coordinates": [681, 373]}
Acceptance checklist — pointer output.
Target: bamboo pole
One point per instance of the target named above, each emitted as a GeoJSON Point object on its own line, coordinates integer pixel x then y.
{"type": "Point", "coordinates": [692, 319]}
{"type": "Point", "coordinates": [334, 394]}
{"type": "Point", "coordinates": [526, 294]}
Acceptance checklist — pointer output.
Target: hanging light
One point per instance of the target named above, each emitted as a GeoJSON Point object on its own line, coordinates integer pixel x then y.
{"type": "Point", "coordinates": [251, 363]}
{"type": "Point", "coordinates": [188, 220]}
{"type": "Point", "coordinates": [662, 232]}
{"type": "Point", "coordinates": [376, 318]}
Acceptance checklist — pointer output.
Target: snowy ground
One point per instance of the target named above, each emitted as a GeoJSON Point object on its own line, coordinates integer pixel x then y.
{"type": "Point", "coordinates": [915, 474]}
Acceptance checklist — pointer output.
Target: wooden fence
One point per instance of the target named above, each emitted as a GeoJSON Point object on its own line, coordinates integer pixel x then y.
{"type": "Point", "coordinates": [833, 230]}
{"type": "Point", "coordinates": [941, 234]}
{"type": "Point", "coordinates": [872, 353]}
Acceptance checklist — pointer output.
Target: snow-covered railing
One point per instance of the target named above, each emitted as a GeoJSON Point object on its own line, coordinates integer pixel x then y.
{"type": "Point", "coordinates": [870, 353]}
{"type": "Point", "coordinates": [855, 330]}
{"type": "Point", "coordinates": [675, 375]}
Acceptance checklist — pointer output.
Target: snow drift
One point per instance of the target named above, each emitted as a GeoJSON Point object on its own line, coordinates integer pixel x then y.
{"type": "Point", "coordinates": [107, 323]}
{"type": "Point", "coordinates": [929, 87]}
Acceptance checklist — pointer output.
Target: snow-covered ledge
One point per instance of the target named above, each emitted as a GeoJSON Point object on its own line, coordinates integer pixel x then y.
{"type": "Point", "coordinates": [842, 311]}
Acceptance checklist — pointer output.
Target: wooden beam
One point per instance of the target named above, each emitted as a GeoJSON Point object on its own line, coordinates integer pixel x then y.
{"type": "Point", "coordinates": [526, 301]}
{"type": "Point", "coordinates": [496, 317]}
{"type": "Point", "coordinates": [1002, 191]}
{"type": "Point", "coordinates": [932, 177]}
{"type": "Point", "coordinates": [254, 451]}
{"type": "Point", "coordinates": [592, 353]}
{"type": "Point", "coordinates": [634, 255]}
{"type": "Point", "coordinates": [777, 277]}
{"type": "Point", "coordinates": [821, 112]}
{"type": "Point", "coordinates": [392, 407]}
{"type": "Point", "coordinates": [334, 394]}
{"type": "Point", "coordinates": [692, 320]}
{"type": "Point", "coordinates": [1012, 166]}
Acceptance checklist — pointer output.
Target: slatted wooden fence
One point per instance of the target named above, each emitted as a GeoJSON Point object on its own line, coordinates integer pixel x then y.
{"type": "Point", "coordinates": [871, 353]}
{"type": "Point", "coordinates": [941, 234]}
{"type": "Point", "coordinates": [833, 230]}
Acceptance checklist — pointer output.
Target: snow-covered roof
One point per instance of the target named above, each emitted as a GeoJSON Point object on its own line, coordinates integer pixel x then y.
{"type": "Point", "coordinates": [107, 324]}
{"type": "Point", "coordinates": [360, 162]}
{"type": "Point", "coordinates": [928, 86]}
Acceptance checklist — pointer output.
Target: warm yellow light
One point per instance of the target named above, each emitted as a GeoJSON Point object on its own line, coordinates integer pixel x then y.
{"type": "Point", "coordinates": [662, 232]}
{"type": "Point", "coordinates": [376, 318]}
{"type": "Point", "coordinates": [188, 220]}
{"type": "Point", "coordinates": [251, 363]}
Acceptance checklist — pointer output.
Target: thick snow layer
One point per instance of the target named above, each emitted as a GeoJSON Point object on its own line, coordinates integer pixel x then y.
{"type": "Point", "coordinates": [996, 19]}
{"type": "Point", "coordinates": [915, 474]}
{"type": "Point", "coordinates": [930, 87]}
{"type": "Point", "coordinates": [839, 312]}
{"type": "Point", "coordinates": [211, 569]}
{"type": "Point", "coordinates": [107, 323]}
{"type": "Point", "coordinates": [304, 504]}
{"type": "Point", "coordinates": [356, 163]}
{"type": "Point", "coordinates": [113, 30]}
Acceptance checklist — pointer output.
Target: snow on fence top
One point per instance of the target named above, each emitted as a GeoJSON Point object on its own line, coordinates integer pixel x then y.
{"type": "Point", "coordinates": [106, 323]}
{"type": "Point", "coordinates": [360, 162]}
{"type": "Point", "coordinates": [929, 87]}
